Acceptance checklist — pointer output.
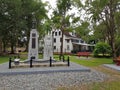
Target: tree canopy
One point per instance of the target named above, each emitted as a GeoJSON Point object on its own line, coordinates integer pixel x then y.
{"type": "Point", "coordinates": [105, 16]}
{"type": "Point", "coordinates": [96, 20]}
{"type": "Point", "coordinates": [16, 20]}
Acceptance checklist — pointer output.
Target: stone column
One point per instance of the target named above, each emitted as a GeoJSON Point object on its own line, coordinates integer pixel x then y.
{"type": "Point", "coordinates": [48, 47]}
{"type": "Point", "coordinates": [33, 45]}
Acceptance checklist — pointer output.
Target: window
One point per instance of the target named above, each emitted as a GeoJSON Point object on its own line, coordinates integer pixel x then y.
{"type": "Point", "coordinates": [54, 47]}
{"type": "Point", "coordinates": [82, 41]}
{"type": "Point", "coordinates": [55, 33]}
{"type": "Point", "coordinates": [67, 40]}
{"type": "Point", "coordinates": [54, 40]}
{"type": "Point", "coordinates": [59, 32]}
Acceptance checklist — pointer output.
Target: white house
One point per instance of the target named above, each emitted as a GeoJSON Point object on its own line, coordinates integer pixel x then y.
{"type": "Point", "coordinates": [71, 42]}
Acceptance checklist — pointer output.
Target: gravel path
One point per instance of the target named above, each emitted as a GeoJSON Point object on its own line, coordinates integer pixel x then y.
{"type": "Point", "coordinates": [49, 81]}
{"type": "Point", "coordinates": [47, 78]}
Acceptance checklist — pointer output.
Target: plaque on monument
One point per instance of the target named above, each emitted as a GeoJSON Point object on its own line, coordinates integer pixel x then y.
{"type": "Point", "coordinates": [33, 43]}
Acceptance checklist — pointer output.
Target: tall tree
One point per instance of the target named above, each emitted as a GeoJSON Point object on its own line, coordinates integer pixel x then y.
{"type": "Point", "coordinates": [61, 18]}
{"type": "Point", "coordinates": [81, 23]}
{"type": "Point", "coordinates": [16, 19]}
{"type": "Point", "coordinates": [10, 11]}
{"type": "Point", "coordinates": [29, 7]}
{"type": "Point", "coordinates": [106, 12]}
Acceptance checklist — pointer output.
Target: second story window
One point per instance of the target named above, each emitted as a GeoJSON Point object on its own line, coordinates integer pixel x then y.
{"type": "Point", "coordinates": [59, 32]}
{"type": "Point", "coordinates": [55, 33]}
{"type": "Point", "coordinates": [54, 40]}
{"type": "Point", "coordinates": [82, 41]}
{"type": "Point", "coordinates": [54, 47]}
{"type": "Point", "coordinates": [67, 40]}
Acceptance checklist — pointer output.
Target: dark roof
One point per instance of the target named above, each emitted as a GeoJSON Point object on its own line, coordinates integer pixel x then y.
{"type": "Point", "coordinates": [69, 35]}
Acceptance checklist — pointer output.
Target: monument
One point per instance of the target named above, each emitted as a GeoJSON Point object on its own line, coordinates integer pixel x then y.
{"type": "Point", "coordinates": [33, 43]}
{"type": "Point", "coordinates": [33, 46]}
{"type": "Point", "coordinates": [33, 59]}
{"type": "Point", "coordinates": [48, 47]}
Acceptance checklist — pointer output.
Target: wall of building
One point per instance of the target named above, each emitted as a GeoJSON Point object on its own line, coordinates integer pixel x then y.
{"type": "Point", "coordinates": [67, 44]}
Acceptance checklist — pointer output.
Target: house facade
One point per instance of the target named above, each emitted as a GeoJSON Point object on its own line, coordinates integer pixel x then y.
{"type": "Point", "coordinates": [72, 43]}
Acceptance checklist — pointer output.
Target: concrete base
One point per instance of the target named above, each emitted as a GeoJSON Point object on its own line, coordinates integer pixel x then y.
{"type": "Point", "coordinates": [4, 70]}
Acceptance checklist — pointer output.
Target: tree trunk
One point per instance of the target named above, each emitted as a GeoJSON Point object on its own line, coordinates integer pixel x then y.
{"type": "Point", "coordinates": [12, 49]}
{"type": "Point", "coordinates": [13, 42]}
{"type": "Point", "coordinates": [4, 45]}
{"type": "Point", "coordinates": [112, 28]}
{"type": "Point", "coordinates": [0, 46]}
{"type": "Point", "coordinates": [4, 48]}
{"type": "Point", "coordinates": [114, 53]}
{"type": "Point", "coordinates": [61, 48]}
{"type": "Point", "coordinates": [26, 44]}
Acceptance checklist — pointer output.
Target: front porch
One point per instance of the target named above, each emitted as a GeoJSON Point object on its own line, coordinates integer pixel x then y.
{"type": "Point", "coordinates": [82, 48]}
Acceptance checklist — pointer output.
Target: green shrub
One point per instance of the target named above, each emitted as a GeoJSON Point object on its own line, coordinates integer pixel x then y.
{"type": "Point", "coordinates": [102, 49]}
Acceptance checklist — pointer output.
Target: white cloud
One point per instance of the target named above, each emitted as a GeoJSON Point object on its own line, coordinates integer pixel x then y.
{"type": "Point", "coordinates": [73, 11]}
{"type": "Point", "coordinates": [52, 3]}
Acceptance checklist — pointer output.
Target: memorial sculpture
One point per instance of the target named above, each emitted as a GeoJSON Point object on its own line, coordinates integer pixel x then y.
{"type": "Point", "coordinates": [48, 48]}
{"type": "Point", "coordinates": [33, 43]}
{"type": "Point", "coordinates": [33, 59]}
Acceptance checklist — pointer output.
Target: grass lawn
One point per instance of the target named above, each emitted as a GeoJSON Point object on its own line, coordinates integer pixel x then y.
{"type": "Point", "coordinates": [4, 59]}
{"type": "Point", "coordinates": [86, 62]}
{"type": "Point", "coordinates": [91, 62]}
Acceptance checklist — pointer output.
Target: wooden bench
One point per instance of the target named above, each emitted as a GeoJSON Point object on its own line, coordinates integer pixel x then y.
{"type": "Point", "coordinates": [86, 54]}
{"type": "Point", "coordinates": [117, 61]}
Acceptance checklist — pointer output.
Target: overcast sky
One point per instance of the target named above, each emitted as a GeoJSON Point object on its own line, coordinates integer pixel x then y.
{"type": "Point", "coordinates": [74, 10]}
{"type": "Point", "coordinates": [52, 2]}
{"type": "Point", "coordinates": [53, 5]}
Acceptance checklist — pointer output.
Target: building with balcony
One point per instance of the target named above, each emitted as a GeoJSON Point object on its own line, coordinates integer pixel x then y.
{"type": "Point", "coordinates": [71, 42]}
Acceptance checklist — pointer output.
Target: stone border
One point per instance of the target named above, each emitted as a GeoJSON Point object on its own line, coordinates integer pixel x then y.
{"type": "Point", "coordinates": [112, 66]}
{"type": "Point", "coordinates": [35, 70]}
